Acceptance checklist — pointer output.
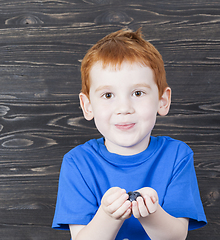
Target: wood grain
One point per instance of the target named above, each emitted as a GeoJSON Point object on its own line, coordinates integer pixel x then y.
{"type": "Point", "coordinates": [41, 46]}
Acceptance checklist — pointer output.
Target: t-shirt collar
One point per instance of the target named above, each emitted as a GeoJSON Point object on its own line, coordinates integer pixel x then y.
{"type": "Point", "coordinates": [130, 160]}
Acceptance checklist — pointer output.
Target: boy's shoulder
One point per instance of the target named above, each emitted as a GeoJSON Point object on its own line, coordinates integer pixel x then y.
{"type": "Point", "coordinates": [91, 145]}
{"type": "Point", "coordinates": [168, 140]}
{"type": "Point", "coordinates": [172, 145]}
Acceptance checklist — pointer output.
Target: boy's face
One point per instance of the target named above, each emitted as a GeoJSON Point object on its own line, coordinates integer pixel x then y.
{"type": "Point", "coordinates": [124, 104]}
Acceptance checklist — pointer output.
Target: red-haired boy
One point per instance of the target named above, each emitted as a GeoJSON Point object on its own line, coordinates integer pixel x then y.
{"type": "Point", "coordinates": [123, 89]}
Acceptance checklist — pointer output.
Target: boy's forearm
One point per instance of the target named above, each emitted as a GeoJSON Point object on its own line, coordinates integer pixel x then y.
{"type": "Point", "coordinates": [162, 226]}
{"type": "Point", "coordinates": [101, 227]}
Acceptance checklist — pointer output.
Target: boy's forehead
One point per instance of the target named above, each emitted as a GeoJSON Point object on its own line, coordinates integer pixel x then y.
{"type": "Point", "coordinates": [135, 73]}
{"type": "Point", "coordinates": [100, 65]}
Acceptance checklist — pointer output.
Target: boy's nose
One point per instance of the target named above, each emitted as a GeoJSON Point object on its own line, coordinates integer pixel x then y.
{"type": "Point", "coordinates": [124, 106]}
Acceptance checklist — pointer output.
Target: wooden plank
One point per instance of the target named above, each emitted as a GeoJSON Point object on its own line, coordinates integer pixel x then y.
{"type": "Point", "coordinates": [41, 46]}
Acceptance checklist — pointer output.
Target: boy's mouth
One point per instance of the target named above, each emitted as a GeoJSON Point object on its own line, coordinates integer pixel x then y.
{"type": "Point", "coordinates": [124, 126]}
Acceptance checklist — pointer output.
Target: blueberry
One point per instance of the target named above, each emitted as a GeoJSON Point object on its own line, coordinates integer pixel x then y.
{"type": "Point", "coordinates": [133, 196]}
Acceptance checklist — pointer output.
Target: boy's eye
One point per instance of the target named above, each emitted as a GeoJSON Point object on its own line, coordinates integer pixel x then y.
{"type": "Point", "coordinates": [138, 93]}
{"type": "Point", "coordinates": [108, 95]}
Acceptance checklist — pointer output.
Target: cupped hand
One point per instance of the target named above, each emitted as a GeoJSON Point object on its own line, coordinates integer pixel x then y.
{"type": "Point", "coordinates": [115, 203]}
{"type": "Point", "coordinates": [145, 205]}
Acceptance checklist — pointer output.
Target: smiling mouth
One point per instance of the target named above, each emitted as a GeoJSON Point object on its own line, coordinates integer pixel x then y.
{"type": "Point", "coordinates": [125, 126]}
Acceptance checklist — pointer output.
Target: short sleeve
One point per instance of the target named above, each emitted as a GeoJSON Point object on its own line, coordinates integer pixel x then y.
{"type": "Point", "coordinates": [76, 204]}
{"type": "Point", "coordinates": [182, 198]}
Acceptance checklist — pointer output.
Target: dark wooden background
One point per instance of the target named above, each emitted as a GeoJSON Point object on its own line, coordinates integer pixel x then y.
{"type": "Point", "coordinates": [41, 46]}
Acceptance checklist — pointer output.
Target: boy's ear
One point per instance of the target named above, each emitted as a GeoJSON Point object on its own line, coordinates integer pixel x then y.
{"type": "Point", "coordinates": [86, 106]}
{"type": "Point", "coordinates": [164, 102]}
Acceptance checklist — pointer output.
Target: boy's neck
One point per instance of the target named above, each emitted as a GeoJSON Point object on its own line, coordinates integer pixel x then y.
{"type": "Point", "coordinates": [127, 151]}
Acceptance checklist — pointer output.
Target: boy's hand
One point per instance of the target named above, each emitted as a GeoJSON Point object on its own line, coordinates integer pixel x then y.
{"type": "Point", "coordinates": [115, 203]}
{"type": "Point", "coordinates": [146, 204]}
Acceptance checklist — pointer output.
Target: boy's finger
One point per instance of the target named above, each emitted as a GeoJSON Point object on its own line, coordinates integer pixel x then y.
{"type": "Point", "coordinates": [151, 206]}
{"type": "Point", "coordinates": [135, 209]}
{"type": "Point", "coordinates": [142, 207]}
{"type": "Point", "coordinates": [127, 214]}
{"type": "Point", "coordinates": [123, 211]}
{"type": "Point", "coordinates": [112, 194]}
{"type": "Point", "coordinates": [117, 203]}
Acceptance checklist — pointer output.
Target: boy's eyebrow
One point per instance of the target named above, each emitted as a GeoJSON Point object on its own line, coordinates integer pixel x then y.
{"type": "Point", "coordinates": [100, 88]}
{"type": "Point", "coordinates": [142, 85]}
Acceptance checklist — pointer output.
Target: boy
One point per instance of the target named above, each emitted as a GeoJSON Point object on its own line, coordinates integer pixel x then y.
{"type": "Point", "coordinates": [123, 88]}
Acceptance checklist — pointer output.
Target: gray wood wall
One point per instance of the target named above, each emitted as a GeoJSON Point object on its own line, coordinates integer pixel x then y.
{"type": "Point", "coordinates": [41, 45]}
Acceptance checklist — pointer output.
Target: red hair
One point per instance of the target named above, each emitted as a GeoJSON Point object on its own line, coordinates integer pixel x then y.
{"type": "Point", "coordinates": [120, 46]}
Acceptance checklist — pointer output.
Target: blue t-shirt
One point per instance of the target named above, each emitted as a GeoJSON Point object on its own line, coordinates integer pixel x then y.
{"type": "Point", "coordinates": [89, 170]}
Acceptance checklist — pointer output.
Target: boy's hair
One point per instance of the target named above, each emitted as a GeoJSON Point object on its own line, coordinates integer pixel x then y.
{"type": "Point", "coordinates": [120, 46]}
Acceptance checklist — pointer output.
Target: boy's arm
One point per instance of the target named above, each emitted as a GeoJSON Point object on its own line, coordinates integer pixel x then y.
{"type": "Point", "coordinates": [157, 223]}
{"type": "Point", "coordinates": [100, 227]}
{"type": "Point", "coordinates": [114, 209]}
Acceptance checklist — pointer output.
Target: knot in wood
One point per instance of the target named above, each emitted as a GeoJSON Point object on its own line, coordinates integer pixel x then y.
{"type": "Point", "coordinates": [113, 17]}
{"type": "Point", "coordinates": [212, 198]}
{"type": "Point", "coordinates": [25, 19]}
{"type": "Point", "coordinates": [214, 195]}
{"type": "Point", "coordinates": [4, 110]}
